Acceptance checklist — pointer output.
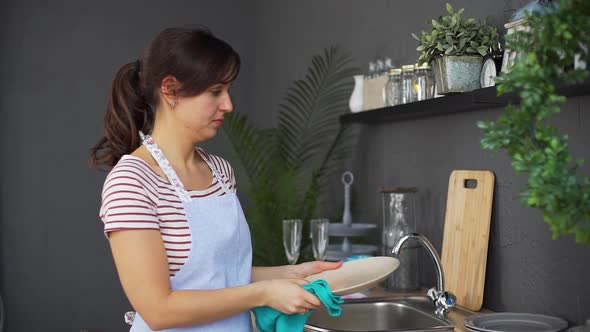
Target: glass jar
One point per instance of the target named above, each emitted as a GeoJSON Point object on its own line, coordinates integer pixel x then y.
{"type": "Point", "coordinates": [408, 94]}
{"type": "Point", "coordinates": [393, 88]}
{"type": "Point", "coordinates": [398, 220]}
{"type": "Point", "coordinates": [423, 83]}
{"type": "Point", "coordinates": [431, 92]}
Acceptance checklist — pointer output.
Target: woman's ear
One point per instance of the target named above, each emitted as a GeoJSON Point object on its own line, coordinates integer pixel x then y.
{"type": "Point", "coordinates": [169, 88]}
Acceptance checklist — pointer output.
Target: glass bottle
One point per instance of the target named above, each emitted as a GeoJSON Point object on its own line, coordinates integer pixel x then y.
{"type": "Point", "coordinates": [393, 87]}
{"type": "Point", "coordinates": [388, 64]}
{"type": "Point", "coordinates": [398, 220]}
{"type": "Point", "coordinates": [408, 95]}
{"type": "Point", "coordinates": [380, 68]}
{"type": "Point", "coordinates": [371, 73]}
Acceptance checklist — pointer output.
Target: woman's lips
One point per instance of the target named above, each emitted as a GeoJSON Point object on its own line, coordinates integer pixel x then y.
{"type": "Point", "coordinates": [218, 122]}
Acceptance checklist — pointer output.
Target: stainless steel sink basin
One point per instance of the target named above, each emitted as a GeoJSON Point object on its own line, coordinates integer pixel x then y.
{"type": "Point", "coordinates": [382, 314]}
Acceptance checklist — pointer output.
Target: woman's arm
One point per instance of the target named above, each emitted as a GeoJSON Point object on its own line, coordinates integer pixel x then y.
{"type": "Point", "coordinates": [142, 266]}
{"type": "Point", "coordinates": [298, 271]}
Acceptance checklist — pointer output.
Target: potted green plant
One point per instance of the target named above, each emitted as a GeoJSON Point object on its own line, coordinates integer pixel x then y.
{"type": "Point", "coordinates": [556, 186]}
{"type": "Point", "coordinates": [455, 49]}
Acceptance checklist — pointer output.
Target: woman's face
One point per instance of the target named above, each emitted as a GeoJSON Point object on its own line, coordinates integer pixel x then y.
{"type": "Point", "coordinates": [202, 115]}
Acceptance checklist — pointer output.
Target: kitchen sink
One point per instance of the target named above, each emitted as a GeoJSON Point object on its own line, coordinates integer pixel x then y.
{"type": "Point", "coordinates": [414, 313]}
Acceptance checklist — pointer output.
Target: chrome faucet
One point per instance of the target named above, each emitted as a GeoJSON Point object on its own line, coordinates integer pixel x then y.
{"type": "Point", "coordinates": [442, 299]}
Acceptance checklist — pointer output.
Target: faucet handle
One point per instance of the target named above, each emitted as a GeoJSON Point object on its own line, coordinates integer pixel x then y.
{"type": "Point", "coordinates": [447, 300]}
{"type": "Point", "coordinates": [432, 294]}
{"type": "Point", "coordinates": [442, 300]}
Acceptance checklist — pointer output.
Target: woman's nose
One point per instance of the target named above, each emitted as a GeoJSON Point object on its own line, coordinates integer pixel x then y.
{"type": "Point", "coordinates": [226, 104]}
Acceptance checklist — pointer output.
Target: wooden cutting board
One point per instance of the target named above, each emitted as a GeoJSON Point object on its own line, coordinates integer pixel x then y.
{"type": "Point", "coordinates": [466, 235]}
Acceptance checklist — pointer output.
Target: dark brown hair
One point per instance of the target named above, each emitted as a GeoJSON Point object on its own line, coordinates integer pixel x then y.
{"type": "Point", "coordinates": [194, 56]}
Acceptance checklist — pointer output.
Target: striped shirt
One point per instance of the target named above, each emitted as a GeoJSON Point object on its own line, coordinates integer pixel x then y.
{"type": "Point", "coordinates": [134, 196]}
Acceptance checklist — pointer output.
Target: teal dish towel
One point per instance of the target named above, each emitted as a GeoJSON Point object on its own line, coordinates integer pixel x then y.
{"type": "Point", "coordinates": [271, 320]}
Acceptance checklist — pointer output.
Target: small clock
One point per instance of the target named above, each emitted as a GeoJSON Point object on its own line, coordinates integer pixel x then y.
{"type": "Point", "coordinates": [489, 72]}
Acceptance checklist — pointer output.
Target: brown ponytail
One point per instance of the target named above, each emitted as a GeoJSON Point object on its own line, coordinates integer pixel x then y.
{"type": "Point", "coordinates": [127, 113]}
{"type": "Point", "coordinates": [197, 60]}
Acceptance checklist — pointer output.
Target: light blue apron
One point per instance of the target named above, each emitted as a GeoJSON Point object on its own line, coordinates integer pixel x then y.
{"type": "Point", "coordinates": [221, 249]}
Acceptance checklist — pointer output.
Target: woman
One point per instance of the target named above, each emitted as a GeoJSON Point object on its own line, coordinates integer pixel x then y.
{"type": "Point", "coordinates": [177, 232]}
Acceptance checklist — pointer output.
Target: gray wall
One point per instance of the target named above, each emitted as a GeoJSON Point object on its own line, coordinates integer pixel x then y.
{"type": "Point", "coordinates": [57, 62]}
{"type": "Point", "coordinates": [527, 270]}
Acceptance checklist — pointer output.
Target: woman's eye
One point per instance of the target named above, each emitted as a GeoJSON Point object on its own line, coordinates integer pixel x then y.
{"type": "Point", "coordinates": [216, 92]}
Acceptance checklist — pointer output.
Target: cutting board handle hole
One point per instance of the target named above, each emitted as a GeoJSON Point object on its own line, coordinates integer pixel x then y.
{"type": "Point", "coordinates": [470, 184]}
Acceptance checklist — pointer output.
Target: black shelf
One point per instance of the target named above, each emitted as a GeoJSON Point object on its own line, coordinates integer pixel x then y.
{"type": "Point", "coordinates": [479, 99]}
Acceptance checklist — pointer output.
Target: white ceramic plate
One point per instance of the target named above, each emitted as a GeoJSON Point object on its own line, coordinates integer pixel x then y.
{"type": "Point", "coordinates": [358, 275]}
{"type": "Point", "coordinates": [514, 322]}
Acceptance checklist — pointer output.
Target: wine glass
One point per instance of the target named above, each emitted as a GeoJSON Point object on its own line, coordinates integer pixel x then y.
{"type": "Point", "coordinates": [292, 238]}
{"type": "Point", "coordinates": [319, 237]}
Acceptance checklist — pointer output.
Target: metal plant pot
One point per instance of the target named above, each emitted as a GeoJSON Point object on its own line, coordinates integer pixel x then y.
{"type": "Point", "coordinates": [454, 74]}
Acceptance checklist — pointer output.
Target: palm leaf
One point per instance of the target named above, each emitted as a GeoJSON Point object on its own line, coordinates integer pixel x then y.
{"type": "Point", "coordinates": [288, 166]}
{"type": "Point", "coordinates": [327, 83]}
{"type": "Point", "coordinates": [252, 146]}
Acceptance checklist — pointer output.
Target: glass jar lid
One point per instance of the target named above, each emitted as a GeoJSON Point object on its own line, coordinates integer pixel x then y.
{"type": "Point", "coordinates": [407, 67]}
{"type": "Point", "coordinates": [395, 71]}
{"type": "Point", "coordinates": [399, 190]}
{"type": "Point", "coordinates": [423, 66]}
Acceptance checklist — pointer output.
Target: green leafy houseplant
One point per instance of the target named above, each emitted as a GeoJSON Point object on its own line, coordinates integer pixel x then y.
{"type": "Point", "coordinates": [454, 35]}
{"type": "Point", "coordinates": [287, 167]}
{"type": "Point", "coordinates": [536, 147]}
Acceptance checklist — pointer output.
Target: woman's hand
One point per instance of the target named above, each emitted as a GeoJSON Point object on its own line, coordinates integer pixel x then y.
{"type": "Point", "coordinates": [303, 270]}
{"type": "Point", "coordinates": [287, 296]}
{"type": "Point", "coordinates": [282, 286]}
{"type": "Point", "coordinates": [299, 271]}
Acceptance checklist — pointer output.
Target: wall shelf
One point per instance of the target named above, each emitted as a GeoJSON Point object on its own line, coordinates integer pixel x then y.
{"type": "Point", "coordinates": [479, 99]}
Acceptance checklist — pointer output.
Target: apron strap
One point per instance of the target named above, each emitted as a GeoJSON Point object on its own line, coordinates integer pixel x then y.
{"type": "Point", "coordinates": [214, 170]}
{"type": "Point", "coordinates": [164, 164]}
